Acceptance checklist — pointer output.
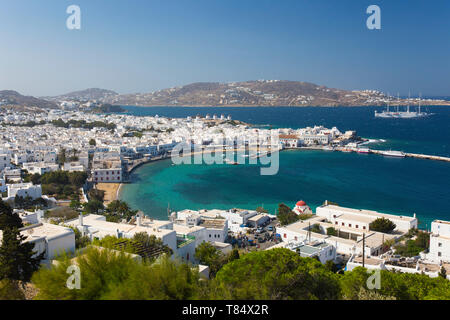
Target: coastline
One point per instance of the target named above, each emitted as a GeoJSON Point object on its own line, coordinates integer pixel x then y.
{"type": "Point", "coordinates": [447, 104]}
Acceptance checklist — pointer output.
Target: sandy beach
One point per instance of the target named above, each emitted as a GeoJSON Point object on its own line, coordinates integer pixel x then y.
{"type": "Point", "coordinates": [110, 189]}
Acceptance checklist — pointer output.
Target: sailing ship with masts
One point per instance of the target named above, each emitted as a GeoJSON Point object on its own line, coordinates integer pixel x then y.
{"type": "Point", "coordinates": [397, 114]}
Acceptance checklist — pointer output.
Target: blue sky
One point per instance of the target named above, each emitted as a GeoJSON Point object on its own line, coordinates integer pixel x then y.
{"type": "Point", "coordinates": [145, 45]}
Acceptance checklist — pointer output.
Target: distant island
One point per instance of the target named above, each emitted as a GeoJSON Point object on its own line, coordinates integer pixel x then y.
{"type": "Point", "coordinates": [259, 93]}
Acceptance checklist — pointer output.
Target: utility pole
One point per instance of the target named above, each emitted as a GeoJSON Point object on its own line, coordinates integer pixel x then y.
{"type": "Point", "coordinates": [364, 250]}
{"type": "Point", "coordinates": [309, 231]}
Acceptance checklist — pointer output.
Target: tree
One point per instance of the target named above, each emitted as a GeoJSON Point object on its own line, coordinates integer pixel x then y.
{"type": "Point", "coordinates": [62, 156]}
{"type": "Point", "coordinates": [93, 206]}
{"type": "Point", "coordinates": [382, 225]}
{"type": "Point", "coordinates": [16, 256]}
{"type": "Point", "coordinates": [316, 228]}
{"type": "Point", "coordinates": [331, 266]}
{"type": "Point", "coordinates": [331, 231]}
{"type": "Point", "coordinates": [8, 219]}
{"type": "Point", "coordinates": [117, 210]}
{"type": "Point", "coordinates": [261, 210]}
{"type": "Point", "coordinates": [208, 255]}
{"type": "Point", "coordinates": [151, 242]}
{"type": "Point", "coordinates": [75, 204]}
{"type": "Point", "coordinates": [234, 255]}
{"type": "Point", "coordinates": [276, 274]}
{"type": "Point", "coordinates": [112, 275]}
{"type": "Point", "coordinates": [96, 194]}
{"type": "Point", "coordinates": [286, 215]}
{"type": "Point", "coordinates": [92, 142]}
{"type": "Point", "coordinates": [443, 273]}
{"type": "Point", "coordinates": [10, 290]}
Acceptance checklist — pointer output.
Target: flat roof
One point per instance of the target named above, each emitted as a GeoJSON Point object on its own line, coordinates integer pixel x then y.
{"type": "Point", "coordinates": [42, 230]}
{"type": "Point", "coordinates": [106, 227]}
{"type": "Point", "coordinates": [368, 212]}
{"type": "Point", "coordinates": [257, 217]}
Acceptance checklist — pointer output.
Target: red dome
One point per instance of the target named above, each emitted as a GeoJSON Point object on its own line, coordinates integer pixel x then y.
{"type": "Point", "coordinates": [301, 203]}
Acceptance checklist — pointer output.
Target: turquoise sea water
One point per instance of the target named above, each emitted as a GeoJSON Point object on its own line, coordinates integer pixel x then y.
{"type": "Point", "coordinates": [399, 186]}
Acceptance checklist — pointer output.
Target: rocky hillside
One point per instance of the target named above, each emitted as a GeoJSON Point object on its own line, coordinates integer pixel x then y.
{"type": "Point", "coordinates": [251, 93]}
{"type": "Point", "coordinates": [85, 95]}
{"type": "Point", "coordinates": [13, 98]}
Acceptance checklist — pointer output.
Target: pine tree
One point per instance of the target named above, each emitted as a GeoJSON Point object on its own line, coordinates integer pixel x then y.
{"type": "Point", "coordinates": [8, 218]}
{"type": "Point", "coordinates": [16, 256]}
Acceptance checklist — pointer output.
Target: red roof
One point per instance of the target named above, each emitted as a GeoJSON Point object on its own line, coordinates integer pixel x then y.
{"type": "Point", "coordinates": [301, 203]}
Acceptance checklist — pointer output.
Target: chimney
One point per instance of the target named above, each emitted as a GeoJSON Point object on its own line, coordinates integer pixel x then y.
{"type": "Point", "coordinates": [80, 219]}
{"type": "Point", "coordinates": [138, 219]}
{"type": "Point", "coordinates": [414, 215]}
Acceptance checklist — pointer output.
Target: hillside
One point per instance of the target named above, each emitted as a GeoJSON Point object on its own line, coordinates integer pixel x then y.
{"type": "Point", "coordinates": [254, 93]}
{"type": "Point", "coordinates": [13, 98]}
{"type": "Point", "coordinates": [85, 95]}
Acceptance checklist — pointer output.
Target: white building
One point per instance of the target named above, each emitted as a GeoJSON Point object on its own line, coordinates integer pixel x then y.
{"type": "Point", "coordinates": [107, 171]}
{"type": "Point", "coordinates": [25, 190]}
{"type": "Point", "coordinates": [96, 227]}
{"type": "Point", "coordinates": [346, 241]}
{"type": "Point", "coordinates": [361, 219]}
{"type": "Point", "coordinates": [40, 167]}
{"type": "Point", "coordinates": [322, 250]}
{"type": "Point", "coordinates": [5, 161]}
{"type": "Point", "coordinates": [50, 239]}
{"type": "Point", "coordinates": [439, 242]}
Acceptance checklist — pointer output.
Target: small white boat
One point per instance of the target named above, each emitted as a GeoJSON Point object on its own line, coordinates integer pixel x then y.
{"type": "Point", "coordinates": [393, 153]}
{"type": "Point", "coordinates": [363, 150]}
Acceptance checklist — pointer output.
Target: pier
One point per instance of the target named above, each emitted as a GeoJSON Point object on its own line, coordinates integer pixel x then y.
{"type": "Point", "coordinates": [381, 152]}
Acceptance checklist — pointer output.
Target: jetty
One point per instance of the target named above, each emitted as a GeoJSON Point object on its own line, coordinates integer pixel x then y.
{"type": "Point", "coordinates": [382, 152]}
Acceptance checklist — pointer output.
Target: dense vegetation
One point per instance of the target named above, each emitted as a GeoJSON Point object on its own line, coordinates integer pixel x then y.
{"type": "Point", "coordinates": [382, 225]}
{"type": "Point", "coordinates": [83, 124]}
{"type": "Point", "coordinates": [16, 256]}
{"type": "Point", "coordinates": [271, 274]}
{"type": "Point", "coordinates": [411, 247]}
{"type": "Point", "coordinates": [286, 215]}
{"type": "Point", "coordinates": [61, 184]}
{"type": "Point", "coordinates": [208, 255]}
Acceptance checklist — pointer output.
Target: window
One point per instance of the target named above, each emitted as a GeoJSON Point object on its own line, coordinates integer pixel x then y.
{"type": "Point", "coordinates": [350, 225]}
{"type": "Point", "coordinates": [439, 254]}
{"type": "Point", "coordinates": [364, 227]}
{"type": "Point", "coordinates": [439, 244]}
{"type": "Point", "coordinates": [285, 235]}
{"type": "Point", "coordinates": [295, 238]}
{"type": "Point", "coordinates": [336, 222]}
{"type": "Point", "coordinates": [356, 226]}
{"type": "Point", "coordinates": [343, 224]}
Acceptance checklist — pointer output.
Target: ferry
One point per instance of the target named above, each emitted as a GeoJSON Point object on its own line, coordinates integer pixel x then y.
{"type": "Point", "coordinates": [393, 153]}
